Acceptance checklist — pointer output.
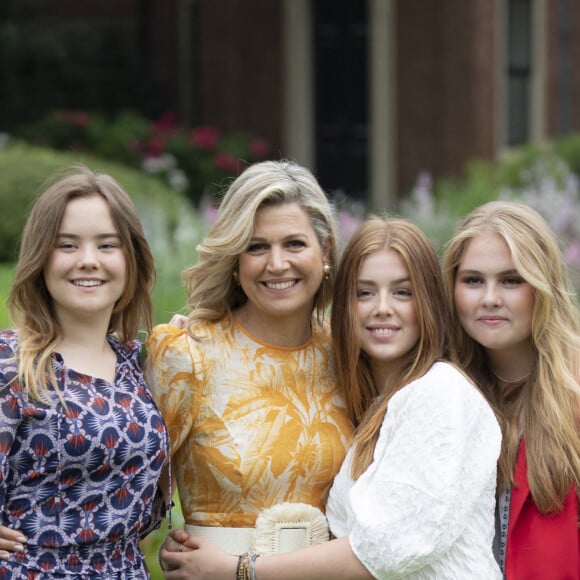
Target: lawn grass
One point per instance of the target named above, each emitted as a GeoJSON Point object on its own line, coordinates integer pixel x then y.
{"type": "Point", "coordinates": [5, 281]}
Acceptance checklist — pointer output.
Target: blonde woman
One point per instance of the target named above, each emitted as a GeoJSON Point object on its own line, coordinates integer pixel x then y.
{"type": "Point", "coordinates": [248, 388]}
{"type": "Point", "coordinates": [517, 332]}
{"type": "Point", "coordinates": [415, 496]}
{"type": "Point", "coordinates": [82, 444]}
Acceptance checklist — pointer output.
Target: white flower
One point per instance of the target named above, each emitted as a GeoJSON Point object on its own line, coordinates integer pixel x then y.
{"type": "Point", "coordinates": [158, 164]}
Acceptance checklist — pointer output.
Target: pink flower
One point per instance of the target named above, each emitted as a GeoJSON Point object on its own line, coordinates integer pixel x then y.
{"type": "Point", "coordinates": [259, 148]}
{"type": "Point", "coordinates": [76, 118]}
{"type": "Point", "coordinates": [205, 137]}
{"type": "Point", "coordinates": [166, 123]}
{"type": "Point", "coordinates": [155, 146]}
{"type": "Point", "coordinates": [226, 163]}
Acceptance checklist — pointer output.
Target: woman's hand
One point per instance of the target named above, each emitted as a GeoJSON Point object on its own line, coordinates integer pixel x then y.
{"type": "Point", "coordinates": [189, 558]}
{"type": "Point", "coordinates": [176, 541]}
{"type": "Point", "coordinates": [10, 541]}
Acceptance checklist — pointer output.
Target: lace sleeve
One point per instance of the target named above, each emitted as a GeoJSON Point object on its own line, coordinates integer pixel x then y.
{"type": "Point", "coordinates": [432, 476]}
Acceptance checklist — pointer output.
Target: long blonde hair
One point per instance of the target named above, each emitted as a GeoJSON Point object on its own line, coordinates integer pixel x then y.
{"type": "Point", "coordinates": [548, 400]}
{"type": "Point", "coordinates": [211, 288]}
{"type": "Point", "coordinates": [366, 408]}
{"type": "Point", "coordinates": [29, 302]}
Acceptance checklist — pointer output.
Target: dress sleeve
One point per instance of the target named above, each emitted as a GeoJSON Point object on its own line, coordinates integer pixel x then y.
{"type": "Point", "coordinates": [436, 456]}
{"type": "Point", "coordinates": [10, 414]}
{"type": "Point", "coordinates": [170, 375]}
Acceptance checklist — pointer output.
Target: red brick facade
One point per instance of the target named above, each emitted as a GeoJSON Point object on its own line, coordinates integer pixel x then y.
{"type": "Point", "coordinates": [240, 70]}
{"type": "Point", "coordinates": [445, 85]}
{"type": "Point", "coordinates": [447, 62]}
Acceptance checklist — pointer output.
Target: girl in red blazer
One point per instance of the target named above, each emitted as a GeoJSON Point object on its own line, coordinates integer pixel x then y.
{"type": "Point", "coordinates": [517, 333]}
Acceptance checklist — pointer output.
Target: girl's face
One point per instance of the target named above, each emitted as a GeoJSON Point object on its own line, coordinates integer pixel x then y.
{"type": "Point", "coordinates": [281, 269]}
{"type": "Point", "coordinates": [86, 271]}
{"type": "Point", "coordinates": [386, 312]}
{"type": "Point", "coordinates": [494, 303]}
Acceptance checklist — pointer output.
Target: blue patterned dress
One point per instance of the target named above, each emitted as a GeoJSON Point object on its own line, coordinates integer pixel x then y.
{"type": "Point", "coordinates": [79, 481]}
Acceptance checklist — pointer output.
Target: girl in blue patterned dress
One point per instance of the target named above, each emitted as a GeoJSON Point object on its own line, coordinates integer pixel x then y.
{"type": "Point", "coordinates": [82, 444]}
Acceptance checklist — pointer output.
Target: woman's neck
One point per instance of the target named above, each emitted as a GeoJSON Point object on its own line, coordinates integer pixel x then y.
{"type": "Point", "coordinates": [85, 349]}
{"type": "Point", "coordinates": [387, 376]}
{"type": "Point", "coordinates": [288, 331]}
{"type": "Point", "coordinates": [510, 367]}
{"type": "Point", "coordinates": [92, 357]}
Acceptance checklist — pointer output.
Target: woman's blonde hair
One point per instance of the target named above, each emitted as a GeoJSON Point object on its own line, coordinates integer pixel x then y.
{"type": "Point", "coordinates": [366, 408]}
{"type": "Point", "coordinates": [30, 304]}
{"type": "Point", "coordinates": [210, 285]}
{"type": "Point", "coordinates": [547, 401]}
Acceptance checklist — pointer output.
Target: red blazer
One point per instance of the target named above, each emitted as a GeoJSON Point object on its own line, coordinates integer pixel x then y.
{"type": "Point", "coordinates": [540, 547]}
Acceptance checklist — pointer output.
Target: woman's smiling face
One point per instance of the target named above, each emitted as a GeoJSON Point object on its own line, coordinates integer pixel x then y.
{"type": "Point", "coordinates": [494, 303]}
{"type": "Point", "coordinates": [386, 311]}
{"type": "Point", "coordinates": [282, 267]}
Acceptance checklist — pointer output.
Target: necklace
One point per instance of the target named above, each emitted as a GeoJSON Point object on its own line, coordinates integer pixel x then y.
{"type": "Point", "coordinates": [519, 380]}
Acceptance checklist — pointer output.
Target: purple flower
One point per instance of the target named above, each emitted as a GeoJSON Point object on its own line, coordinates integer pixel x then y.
{"type": "Point", "coordinates": [348, 224]}
{"type": "Point", "coordinates": [572, 253]}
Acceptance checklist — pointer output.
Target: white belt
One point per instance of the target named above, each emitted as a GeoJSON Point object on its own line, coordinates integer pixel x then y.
{"type": "Point", "coordinates": [232, 540]}
{"type": "Point", "coordinates": [282, 528]}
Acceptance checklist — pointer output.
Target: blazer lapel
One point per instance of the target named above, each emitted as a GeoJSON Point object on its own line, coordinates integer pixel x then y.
{"type": "Point", "coordinates": [521, 488]}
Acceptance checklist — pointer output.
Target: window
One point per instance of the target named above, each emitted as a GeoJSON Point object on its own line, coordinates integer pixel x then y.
{"type": "Point", "coordinates": [519, 71]}
{"type": "Point", "coordinates": [341, 110]}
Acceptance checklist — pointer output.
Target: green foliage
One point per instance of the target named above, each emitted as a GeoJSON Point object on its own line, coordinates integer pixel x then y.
{"type": "Point", "coordinates": [461, 196]}
{"type": "Point", "coordinates": [94, 65]}
{"type": "Point", "coordinates": [93, 134]}
{"type": "Point", "coordinates": [24, 169]}
{"type": "Point", "coordinates": [199, 162]}
{"type": "Point", "coordinates": [568, 148]}
{"type": "Point", "coordinates": [454, 198]}
{"type": "Point", "coordinates": [18, 185]}
{"type": "Point", "coordinates": [545, 177]}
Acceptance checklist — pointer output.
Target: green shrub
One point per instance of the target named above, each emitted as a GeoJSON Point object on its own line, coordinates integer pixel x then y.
{"type": "Point", "coordinates": [198, 161]}
{"type": "Point", "coordinates": [545, 177]}
{"type": "Point", "coordinates": [96, 65]}
{"type": "Point", "coordinates": [437, 206]}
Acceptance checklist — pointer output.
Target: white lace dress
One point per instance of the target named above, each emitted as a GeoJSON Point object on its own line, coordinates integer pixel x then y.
{"type": "Point", "coordinates": [425, 506]}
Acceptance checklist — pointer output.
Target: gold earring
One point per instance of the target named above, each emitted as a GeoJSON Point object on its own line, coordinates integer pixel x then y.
{"type": "Point", "coordinates": [235, 276]}
{"type": "Point", "coordinates": [326, 271]}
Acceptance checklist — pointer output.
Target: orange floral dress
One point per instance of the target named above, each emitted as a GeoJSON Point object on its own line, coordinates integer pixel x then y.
{"type": "Point", "coordinates": [251, 424]}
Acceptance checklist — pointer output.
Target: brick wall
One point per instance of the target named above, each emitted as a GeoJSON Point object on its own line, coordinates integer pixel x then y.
{"type": "Point", "coordinates": [240, 66]}
{"type": "Point", "coordinates": [445, 83]}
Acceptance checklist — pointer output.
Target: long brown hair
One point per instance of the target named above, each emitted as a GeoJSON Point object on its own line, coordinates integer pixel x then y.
{"type": "Point", "coordinates": [547, 402]}
{"type": "Point", "coordinates": [29, 302]}
{"type": "Point", "coordinates": [366, 408]}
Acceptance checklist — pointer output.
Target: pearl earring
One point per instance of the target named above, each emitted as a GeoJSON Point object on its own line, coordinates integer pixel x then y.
{"type": "Point", "coordinates": [326, 271]}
